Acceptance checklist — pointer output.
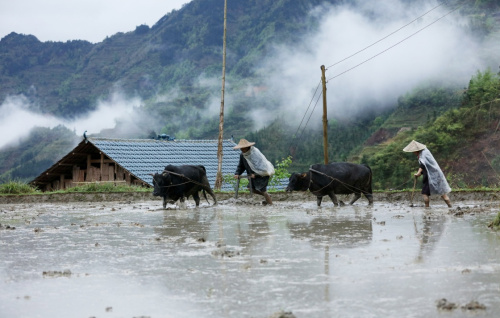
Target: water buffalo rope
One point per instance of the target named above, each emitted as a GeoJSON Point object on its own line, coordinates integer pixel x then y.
{"type": "Point", "coordinates": [348, 186]}
{"type": "Point", "coordinates": [413, 191]}
{"type": "Point", "coordinates": [182, 176]}
{"type": "Point", "coordinates": [399, 187]}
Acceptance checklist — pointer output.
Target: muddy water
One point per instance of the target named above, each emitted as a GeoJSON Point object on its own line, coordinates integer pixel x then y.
{"type": "Point", "coordinates": [242, 260]}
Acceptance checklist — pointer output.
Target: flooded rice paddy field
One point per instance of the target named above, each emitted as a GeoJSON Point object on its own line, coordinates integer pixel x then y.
{"type": "Point", "coordinates": [240, 259]}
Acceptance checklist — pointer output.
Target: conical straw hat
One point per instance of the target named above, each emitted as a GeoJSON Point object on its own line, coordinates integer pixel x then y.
{"type": "Point", "coordinates": [414, 146]}
{"type": "Point", "coordinates": [244, 144]}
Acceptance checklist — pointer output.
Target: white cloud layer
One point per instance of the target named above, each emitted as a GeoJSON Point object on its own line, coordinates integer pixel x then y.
{"type": "Point", "coordinates": [441, 51]}
{"type": "Point", "coordinates": [17, 120]}
{"type": "Point", "coordinates": [426, 51]}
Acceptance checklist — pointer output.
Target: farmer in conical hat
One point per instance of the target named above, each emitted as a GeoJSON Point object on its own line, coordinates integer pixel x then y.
{"type": "Point", "coordinates": [257, 167]}
{"type": "Point", "coordinates": [434, 181]}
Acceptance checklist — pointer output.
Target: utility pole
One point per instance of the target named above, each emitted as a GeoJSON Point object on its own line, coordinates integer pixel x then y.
{"type": "Point", "coordinates": [218, 180]}
{"type": "Point", "coordinates": [325, 120]}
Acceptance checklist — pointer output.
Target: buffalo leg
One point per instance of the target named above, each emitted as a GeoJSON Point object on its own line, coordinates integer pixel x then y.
{"type": "Point", "coordinates": [196, 198]}
{"type": "Point", "coordinates": [165, 202]}
{"type": "Point", "coordinates": [356, 197]}
{"type": "Point", "coordinates": [182, 205]}
{"type": "Point", "coordinates": [318, 200]}
{"type": "Point", "coordinates": [369, 196]}
{"type": "Point", "coordinates": [209, 190]}
{"type": "Point", "coordinates": [334, 198]}
{"type": "Point", "coordinates": [206, 187]}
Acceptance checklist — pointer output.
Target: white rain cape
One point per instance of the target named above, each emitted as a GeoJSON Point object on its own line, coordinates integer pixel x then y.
{"type": "Point", "coordinates": [258, 162]}
{"type": "Point", "coordinates": [437, 180]}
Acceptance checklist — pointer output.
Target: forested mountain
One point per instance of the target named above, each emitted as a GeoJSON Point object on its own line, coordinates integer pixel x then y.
{"type": "Point", "coordinates": [69, 77]}
{"type": "Point", "coordinates": [167, 78]}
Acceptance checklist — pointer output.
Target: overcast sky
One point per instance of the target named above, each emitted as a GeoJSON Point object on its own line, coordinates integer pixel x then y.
{"type": "Point", "coordinates": [91, 20]}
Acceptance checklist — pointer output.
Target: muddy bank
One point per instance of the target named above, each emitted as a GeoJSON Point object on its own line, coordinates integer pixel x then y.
{"type": "Point", "coordinates": [484, 196]}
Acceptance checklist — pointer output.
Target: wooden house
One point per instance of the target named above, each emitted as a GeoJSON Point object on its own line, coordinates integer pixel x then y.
{"type": "Point", "coordinates": [131, 161]}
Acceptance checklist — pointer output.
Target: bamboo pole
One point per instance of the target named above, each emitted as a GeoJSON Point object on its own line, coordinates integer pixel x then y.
{"type": "Point", "coordinates": [325, 120]}
{"type": "Point", "coordinates": [218, 180]}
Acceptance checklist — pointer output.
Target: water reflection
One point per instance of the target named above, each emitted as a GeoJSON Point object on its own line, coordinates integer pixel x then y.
{"type": "Point", "coordinates": [253, 230]}
{"type": "Point", "coordinates": [180, 226]}
{"type": "Point", "coordinates": [429, 235]}
{"type": "Point", "coordinates": [340, 230]}
{"type": "Point", "coordinates": [255, 261]}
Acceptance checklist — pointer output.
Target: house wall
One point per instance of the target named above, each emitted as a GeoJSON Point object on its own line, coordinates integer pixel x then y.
{"type": "Point", "coordinates": [101, 172]}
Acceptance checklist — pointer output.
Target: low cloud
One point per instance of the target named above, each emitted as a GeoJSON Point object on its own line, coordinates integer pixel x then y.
{"type": "Point", "coordinates": [17, 120]}
{"type": "Point", "coordinates": [108, 112]}
{"type": "Point", "coordinates": [423, 51]}
{"type": "Point", "coordinates": [212, 106]}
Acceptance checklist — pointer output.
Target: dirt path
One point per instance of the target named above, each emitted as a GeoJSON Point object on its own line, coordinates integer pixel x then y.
{"type": "Point", "coordinates": [456, 196]}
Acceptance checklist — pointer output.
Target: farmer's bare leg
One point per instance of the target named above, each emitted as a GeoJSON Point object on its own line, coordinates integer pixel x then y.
{"type": "Point", "coordinates": [426, 200]}
{"type": "Point", "coordinates": [266, 196]}
{"type": "Point", "coordinates": [446, 199]}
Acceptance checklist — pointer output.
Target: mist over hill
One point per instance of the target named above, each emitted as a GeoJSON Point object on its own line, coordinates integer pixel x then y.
{"type": "Point", "coordinates": [166, 78]}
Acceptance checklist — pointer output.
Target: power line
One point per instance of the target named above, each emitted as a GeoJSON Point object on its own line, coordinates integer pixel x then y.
{"type": "Point", "coordinates": [385, 37]}
{"type": "Point", "coordinates": [308, 108]}
{"type": "Point", "coordinates": [312, 112]}
{"type": "Point", "coordinates": [297, 138]}
{"type": "Point", "coordinates": [352, 55]}
{"type": "Point", "coordinates": [396, 44]}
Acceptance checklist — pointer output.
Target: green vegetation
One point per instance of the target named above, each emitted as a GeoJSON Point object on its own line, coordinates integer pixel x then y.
{"type": "Point", "coordinates": [20, 187]}
{"type": "Point", "coordinates": [495, 224]}
{"type": "Point", "coordinates": [280, 173]}
{"type": "Point", "coordinates": [68, 79]}
{"type": "Point", "coordinates": [35, 154]}
{"type": "Point", "coordinates": [106, 187]}
{"type": "Point", "coordinates": [16, 187]}
{"type": "Point", "coordinates": [475, 120]}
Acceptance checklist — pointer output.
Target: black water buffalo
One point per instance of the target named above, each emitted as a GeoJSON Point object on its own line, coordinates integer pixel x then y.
{"type": "Point", "coordinates": [334, 178]}
{"type": "Point", "coordinates": [180, 182]}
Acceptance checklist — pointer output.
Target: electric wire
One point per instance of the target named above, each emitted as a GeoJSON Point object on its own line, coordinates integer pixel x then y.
{"type": "Point", "coordinates": [296, 136]}
{"type": "Point", "coordinates": [385, 37]}
{"type": "Point", "coordinates": [367, 60]}
{"type": "Point", "coordinates": [312, 112]}
{"type": "Point", "coordinates": [307, 108]}
{"type": "Point", "coordinates": [396, 44]}
{"type": "Point", "coordinates": [295, 141]}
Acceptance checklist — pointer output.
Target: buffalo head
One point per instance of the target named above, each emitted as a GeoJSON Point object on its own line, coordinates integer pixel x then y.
{"type": "Point", "coordinates": [298, 182]}
{"type": "Point", "coordinates": [160, 183]}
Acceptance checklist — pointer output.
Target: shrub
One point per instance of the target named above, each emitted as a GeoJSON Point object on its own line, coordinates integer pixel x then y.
{"type": "Point", "coordinates": [495, 224]}
{"type": "Point", "coordinates": [16, 187]}
{"type": "Point", "coordinates": [106, 187]}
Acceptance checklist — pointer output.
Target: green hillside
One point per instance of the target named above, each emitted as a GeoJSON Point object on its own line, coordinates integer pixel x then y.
{"type": "Point", "coordinates": [169, 58]}
{"type": "Point", "coordinates": [464, 140]}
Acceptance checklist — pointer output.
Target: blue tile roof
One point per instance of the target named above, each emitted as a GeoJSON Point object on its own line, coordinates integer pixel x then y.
{"type": "Point", "coordinates": [144, 156]}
